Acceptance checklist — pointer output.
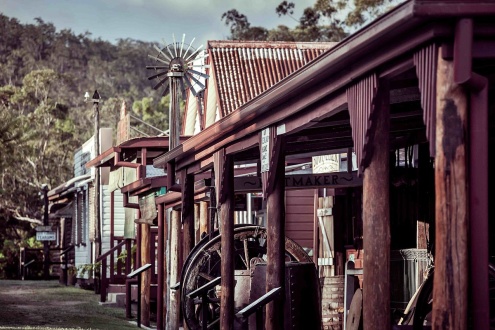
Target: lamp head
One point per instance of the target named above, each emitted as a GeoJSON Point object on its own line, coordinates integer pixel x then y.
{"type": "Point", "coordinates": [96, 97]}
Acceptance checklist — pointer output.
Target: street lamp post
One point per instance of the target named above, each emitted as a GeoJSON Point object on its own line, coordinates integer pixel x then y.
{"type": "Point", "coordinates": [96, 110]}
{"type": "Point", "coordinates": [46, 250]}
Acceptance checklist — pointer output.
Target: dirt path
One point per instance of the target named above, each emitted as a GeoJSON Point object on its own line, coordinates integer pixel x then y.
{"type": "Point", "coordinates": [49, 305]}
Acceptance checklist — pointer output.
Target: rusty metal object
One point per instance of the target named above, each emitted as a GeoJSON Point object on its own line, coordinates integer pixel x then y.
{"type": "Point", "coordinates": [204, 263]}
{"type": "Point", "coordinates": [354, 319]}
{"type": "Point", "coordinates": [302, 306]}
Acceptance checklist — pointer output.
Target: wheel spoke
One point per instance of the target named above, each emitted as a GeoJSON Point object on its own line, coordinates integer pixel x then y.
{"type": "Point", "coordinates": [246, 253]}
{"type": "Point", "coordinates": [205, 263]}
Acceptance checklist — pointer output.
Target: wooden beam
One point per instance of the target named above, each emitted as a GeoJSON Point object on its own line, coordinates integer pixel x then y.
{"type": "Point", "coordinates": [476, 85]}
{"type": "Point", "coordinates": [145, 255]}
{"type": "Point", "coordinates": [161, 308]}
{"type": "Point", "coordinates": [450, 288]}
{"type": "Point", "coordinates": [174, 307]}
{"type": "Point", "coordinates": [315, 113]}
{"type": "Point", "coordinates": [203, 218]}
{"type": "Point", "coordinates": [376, 220]}
{"type": "Point", "coordinates": [243, 144]}
{"type": "Point", "coordinates": [274, 189]}
{"type": "Point", "coordinates": [187, 181]}
{"type": "Point", "coordinates": [170, 174]}
{"type": "Point", "coordinates": [145, 276]}
{"type": "Point", "coordinates": [224, 175]}
{"type": "Point", "coordinates": [197, 232]}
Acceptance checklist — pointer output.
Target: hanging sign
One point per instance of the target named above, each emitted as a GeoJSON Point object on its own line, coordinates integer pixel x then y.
{"type": "Point", "coordinates": [303, 181]}
{"type": "Point", "coordinates": [46, 236]}
{"type": "Point", "coordinates": [265, 150]}
{"type": "Point", "coordinates": [326, 163]}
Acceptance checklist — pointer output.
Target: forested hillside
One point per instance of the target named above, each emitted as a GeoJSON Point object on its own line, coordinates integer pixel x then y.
{"type": "Point", "coordinates": [44, 74]}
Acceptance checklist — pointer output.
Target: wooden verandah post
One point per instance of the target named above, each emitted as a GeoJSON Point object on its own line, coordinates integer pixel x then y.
{"type": "Point", "coordinates": [450, 287]}
{"type": "Point", "coordinates": [224, 184]}
{"type": "Point", "coordinates": [145, 254]}
{"type": "Point", "coordinates": [369, 110]}
{"type": "Point", "coordinates": [146, 276]}
{"type": "Point", "coordinates": [173, 310]}
{"type": "Point", "coordinates": [162, 288]}
{"type": "Point", "coordinates": [273, 181]}
{"type": "Point", "coordinates": [376, 222]}
{"type": "Point", "coordinates": [187, 182]}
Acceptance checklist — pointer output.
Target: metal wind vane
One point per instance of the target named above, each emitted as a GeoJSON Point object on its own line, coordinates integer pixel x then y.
{"type": "Point", "coordinates": [178, 61]}
{"type": "Point", "coordinates": [175, 71]}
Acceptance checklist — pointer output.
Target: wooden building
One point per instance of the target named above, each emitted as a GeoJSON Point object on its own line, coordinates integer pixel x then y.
{"type": "Point", "coordinates": [72, 210]}
{"type": "Point", "coordinates": [415, 82]}
{"type": "Point", "coordinates": [407, 96]}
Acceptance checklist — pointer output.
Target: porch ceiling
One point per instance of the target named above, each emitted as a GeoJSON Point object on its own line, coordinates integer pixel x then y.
{"type": "Point", "coordinates": [131, 150]}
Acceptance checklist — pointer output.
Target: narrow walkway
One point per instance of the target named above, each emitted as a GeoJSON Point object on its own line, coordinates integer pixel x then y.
{"type": "Point", "coordinates": [49, 305]}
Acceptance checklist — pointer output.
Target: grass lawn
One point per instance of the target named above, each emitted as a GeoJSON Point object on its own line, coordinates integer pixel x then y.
{"type": "Point", "coordinates": [49, 305]}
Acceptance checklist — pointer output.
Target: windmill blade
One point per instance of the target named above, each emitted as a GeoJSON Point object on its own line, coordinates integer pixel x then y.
{"type": "Point", "coordinates": [166, 90]}
{"type": "Point", "coordinates": [168, 49]}
{"type": "Point", "coordinates": [182, 46]}
{"type": "Point", "coordinates": [155, 67]}
{"type": "Point", "coordinates": [161, 82]}
{"type": "Point", "coordinates": [196, 81]}
{"type": "Point", "coordinates": [190, 45]}
{"type": "Point", "coordinates": [157, 75]}
{"type": "Point", "coordinates": [182, 88]}
{"type": "Point", "coordinates": [198, 58]}
{"type": "Point", "coordinates": [157, 59]}
{"type": "Point", "coordinates": [206, 66]}
{"type": "Point", "coordinates": [175, 45]}
{"type": "Point", "coordinates": [204, 75]}
{"type": "Point", "coordinates": [200, 111]}
{"type": "Point", "coordinates": [189, 85]}
{"type": "Point", "coordinates": [197, 50]}
{"type": "Point", "coordinates": [161, 52]}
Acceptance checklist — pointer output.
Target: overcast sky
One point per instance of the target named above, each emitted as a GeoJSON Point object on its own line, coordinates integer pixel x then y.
{"type": "Point", "coordinates": [148, 20]}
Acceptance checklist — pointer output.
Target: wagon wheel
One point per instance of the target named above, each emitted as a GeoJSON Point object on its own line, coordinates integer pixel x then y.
{"type": "Point", "coordinates": [424, 303]}
{"type": "Point", "coordinates": [203, 265]}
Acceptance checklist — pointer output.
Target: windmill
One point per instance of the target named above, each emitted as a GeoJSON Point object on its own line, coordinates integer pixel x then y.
{"type": "Point", "coordinates": [176, 70]}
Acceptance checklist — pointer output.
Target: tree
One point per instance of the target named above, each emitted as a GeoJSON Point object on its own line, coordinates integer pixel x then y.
{"type": "Point", "coordinates": [326, 20]}
{"type": "Point", "coordinates": [154, 112]}
{"type": "Point", "coordinates": [43, 116]}
{"type": "Point", "coordinates": [240, 28]}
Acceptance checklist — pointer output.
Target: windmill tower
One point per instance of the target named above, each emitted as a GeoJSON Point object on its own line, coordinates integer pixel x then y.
{"type": "Point", "coordinates": [175, 72]}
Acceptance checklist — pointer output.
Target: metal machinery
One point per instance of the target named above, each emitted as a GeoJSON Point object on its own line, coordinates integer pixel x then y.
{"type": "Point", "coordinates": [302, 290]}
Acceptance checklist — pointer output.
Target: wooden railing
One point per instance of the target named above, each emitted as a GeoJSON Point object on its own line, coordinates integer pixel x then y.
{"type": "Point", "coordinates": [118, 272]}
{"type": "Point", "coordinates": [66, 262]}
{"type": "Point", "coordinates": [35, 261]}
{"type": "Point", "coordinates": [202, 293]}
{"type": "Point", "coordinates": [130, 278]}
{"type": "Point", "coordinates": [258, 305]}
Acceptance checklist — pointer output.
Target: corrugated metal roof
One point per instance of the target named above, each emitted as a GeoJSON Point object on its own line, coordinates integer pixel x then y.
{"type": "Point", "coordinates": [243, 69]}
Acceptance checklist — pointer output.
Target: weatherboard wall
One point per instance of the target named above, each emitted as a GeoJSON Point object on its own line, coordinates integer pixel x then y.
{"type": "Point", "coordinates": [118, 214]}
{"type": "Point", "coordinates": [299, 216]}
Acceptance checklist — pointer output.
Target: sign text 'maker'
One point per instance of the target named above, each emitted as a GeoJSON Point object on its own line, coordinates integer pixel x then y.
{"type": "Point", "coordinates": [327, 180]}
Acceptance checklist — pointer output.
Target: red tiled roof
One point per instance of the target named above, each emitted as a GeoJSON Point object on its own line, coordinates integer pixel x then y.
{"type": "Point", "coordinates": [245, 69]}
